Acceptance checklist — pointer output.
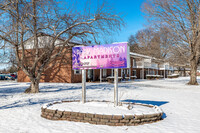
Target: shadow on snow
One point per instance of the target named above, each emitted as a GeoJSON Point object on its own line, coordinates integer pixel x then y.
{"type": "Point", "coordinates": [51, 88]}
{"type": "Point", "coordinates": [29, 102]}
{"type": "Point", "coordinates": [157, 103]}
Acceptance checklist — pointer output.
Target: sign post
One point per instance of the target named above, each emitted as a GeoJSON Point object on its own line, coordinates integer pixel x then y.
{"type": "Point", "coordinates": [100, 75]}
{"type": "Point", "coordinates": [110, 56]}
{"type": "Point", "coordinates": [83, 86]}
{"type": "Point", "coordinates": [116, 87]}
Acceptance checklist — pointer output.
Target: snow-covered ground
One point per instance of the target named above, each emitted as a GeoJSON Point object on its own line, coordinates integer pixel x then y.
{"type": "Point", "coordinates": [20, 113]}
{"type": "Point", "coordinates": [104, 108]}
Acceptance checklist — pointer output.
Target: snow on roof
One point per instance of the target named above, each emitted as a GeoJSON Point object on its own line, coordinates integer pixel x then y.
{"type": "Point", "coordinates": [45, 39]}
{"type": "Point", "coordinates": [145, 56]}
{"type": "Point", "coordinates": [118, 42]}
{"type": "Point", "coordinates": [140, 55]}
{"type": "Point", "coordinates": [75, 41]}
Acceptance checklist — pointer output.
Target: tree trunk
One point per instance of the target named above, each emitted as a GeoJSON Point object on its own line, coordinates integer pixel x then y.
{"type": "Point", "coordinates": [193, 72]}
{"type": "Point", "coordinates": [34, 87]}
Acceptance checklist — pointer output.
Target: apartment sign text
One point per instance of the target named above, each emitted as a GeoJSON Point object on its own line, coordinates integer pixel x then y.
{"type": "Point", "coordinates": [101, 56]}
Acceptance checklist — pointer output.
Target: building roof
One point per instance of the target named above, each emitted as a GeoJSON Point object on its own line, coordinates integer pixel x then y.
{"type": "Point", "coordinates": [140, 55]}
{"type": "Point", "coordinates": [74, 41]}
{"type": "Point", "coordinates": [29, 45]}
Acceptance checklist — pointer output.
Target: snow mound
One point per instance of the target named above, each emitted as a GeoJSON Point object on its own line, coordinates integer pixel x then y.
{"type": "Point", "coordinates": [106, 108]}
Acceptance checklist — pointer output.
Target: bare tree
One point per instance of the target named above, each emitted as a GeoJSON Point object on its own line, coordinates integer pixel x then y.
{"type": "Point", "coordinates": [133, 42]}
{"type": "Point", "coordinates": [183, 18]}
{"type": "Point", "coordinates": [141, 41]}
{"type": "Point", "coordinates": [25, 20]}
{"type": "Point", "coordinates": [152, 42]}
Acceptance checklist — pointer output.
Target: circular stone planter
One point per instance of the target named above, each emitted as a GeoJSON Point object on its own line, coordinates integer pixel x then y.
{"type": "Point", "coordinates": [52, 112]}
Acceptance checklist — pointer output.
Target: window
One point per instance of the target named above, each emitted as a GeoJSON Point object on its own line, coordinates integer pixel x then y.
{"type": "Point", "coordinates": [172, 71]}
{"type": "Point", "coordinates": [134, 63]}
{"type": "Point", "coordinates": [123, 71]}
{"type": "Point", "coordinates": [112, 72]}
{"type": "Point", "coordinates": [104, 72]}
{"type": "Point", "coordinates": [147, 72]}
{"type": "Point", "coordinates": [134, 72]}
{"type": "Point", "coordinates": [166, 67]}
{"type": "Point", "coordinates": [127, 71]}
{"type": "Point", "coordinates": [152, 72]}
{"type": "Point", "coordinates": [77, 71]}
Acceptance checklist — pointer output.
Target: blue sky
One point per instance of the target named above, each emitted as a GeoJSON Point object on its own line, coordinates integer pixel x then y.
{"type": "Point", "coordinates": [131, 9]}
{"type": "Point", "coordinates": [131, 13]}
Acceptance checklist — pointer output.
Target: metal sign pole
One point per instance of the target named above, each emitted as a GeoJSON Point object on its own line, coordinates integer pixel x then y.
{"type": "Point", "coordinates": [83, 86]}
{"type": "Point", "coordinates": [100, 75]}
{"type": "Point", "coordinates": [116, 87]}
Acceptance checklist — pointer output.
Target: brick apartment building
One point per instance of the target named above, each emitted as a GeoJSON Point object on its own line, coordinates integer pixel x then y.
{"type": "Point", "coordinates": [140, 67]}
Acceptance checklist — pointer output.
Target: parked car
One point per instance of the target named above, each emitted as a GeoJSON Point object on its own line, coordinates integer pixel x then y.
{"type": "Point", "coordinates": [13, 75]}
{"type": "Point", "coordinates": [8, 77]}
{"type": "Point", "coordinates": [2, 76]}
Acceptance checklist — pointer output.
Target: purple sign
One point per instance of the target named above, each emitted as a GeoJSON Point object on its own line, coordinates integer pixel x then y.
{"type": "Point", "coordinates": [101, 56]}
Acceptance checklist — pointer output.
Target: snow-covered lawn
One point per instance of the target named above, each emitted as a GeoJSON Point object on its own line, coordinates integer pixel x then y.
{"type": "Point", "coordinates": [104, 108]}
{"type": "Point", "coordinates": [20, 113]}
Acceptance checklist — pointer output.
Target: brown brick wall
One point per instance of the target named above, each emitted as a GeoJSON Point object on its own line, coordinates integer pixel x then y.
{"type": "Point", "coordinates": [60, 71]}
{"type": "Point", "coordinates": [22, 77]}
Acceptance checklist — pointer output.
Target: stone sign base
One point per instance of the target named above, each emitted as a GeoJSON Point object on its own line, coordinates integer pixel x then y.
{"type": "Point", "coordinates": [101, 119]}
